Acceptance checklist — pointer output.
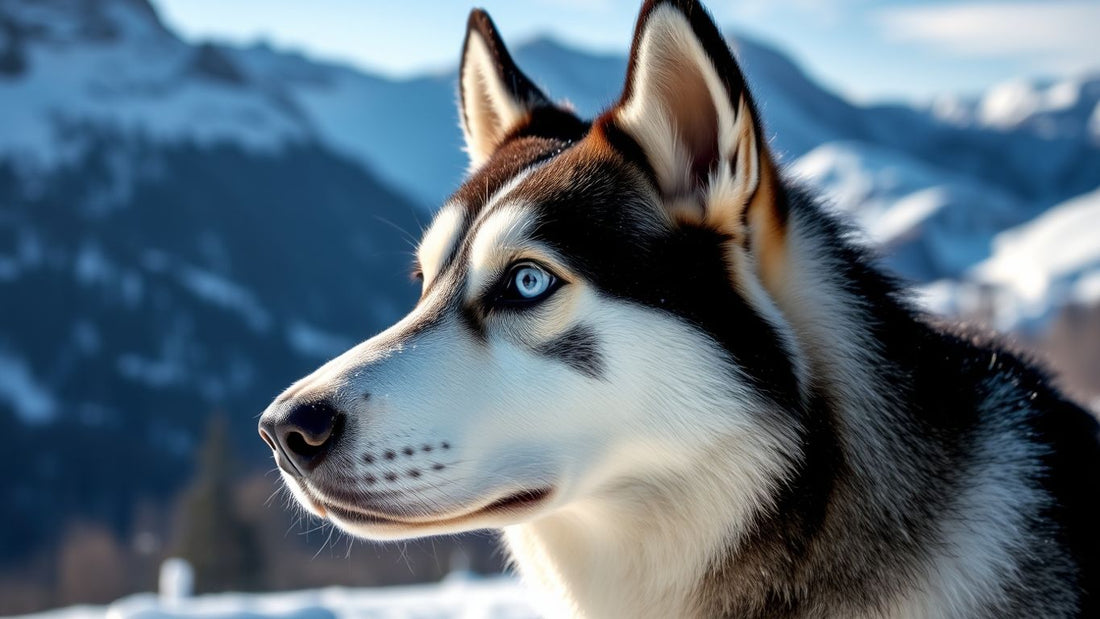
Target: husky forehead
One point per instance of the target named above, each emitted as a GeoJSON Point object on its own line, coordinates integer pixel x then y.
{"type": "Point", "coordinates": [513, 161]}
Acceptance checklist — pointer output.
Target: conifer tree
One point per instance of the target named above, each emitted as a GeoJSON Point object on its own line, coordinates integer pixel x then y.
{"type": "Point", "coordinates": [222, 547]}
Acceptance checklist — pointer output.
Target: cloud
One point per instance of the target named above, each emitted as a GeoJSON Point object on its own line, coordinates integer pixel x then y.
{"type": "Point", "coordinates": [1051, 35]}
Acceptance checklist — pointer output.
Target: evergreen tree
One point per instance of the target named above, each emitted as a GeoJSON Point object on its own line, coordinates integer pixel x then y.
{"type": "Point", "coordinates": [221, 546]}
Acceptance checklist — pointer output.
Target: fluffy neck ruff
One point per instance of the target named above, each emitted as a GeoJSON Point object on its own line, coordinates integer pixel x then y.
{"type": "Point", "coordinates": [644, 545]}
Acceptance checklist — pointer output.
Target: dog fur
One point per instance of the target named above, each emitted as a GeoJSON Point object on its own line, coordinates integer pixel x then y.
{"type": "Point", "coordinates": [716, 406]}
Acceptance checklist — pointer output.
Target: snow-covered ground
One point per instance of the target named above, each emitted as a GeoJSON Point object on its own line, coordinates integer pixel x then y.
{"type": "Point", "coordinates": [454, 598]}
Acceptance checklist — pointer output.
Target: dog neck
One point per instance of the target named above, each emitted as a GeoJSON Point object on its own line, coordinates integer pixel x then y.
{"type": "Point", "coordinates": [644, 546]}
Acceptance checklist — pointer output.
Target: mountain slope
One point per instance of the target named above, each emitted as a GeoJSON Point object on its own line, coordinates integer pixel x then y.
{"type": "Point", "coordinates": [174, 241]}
{"type": "Point", "coordinates": [1035, 269]}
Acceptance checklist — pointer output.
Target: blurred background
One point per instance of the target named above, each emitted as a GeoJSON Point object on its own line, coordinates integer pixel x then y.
{"type": "Point", "coordinates": [202, 200]}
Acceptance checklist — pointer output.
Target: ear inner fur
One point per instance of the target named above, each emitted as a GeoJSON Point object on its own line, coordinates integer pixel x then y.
{"type": "Point", "coordinates": [682, 71]}
{"type": "Point", "coordinates": [495, 97]}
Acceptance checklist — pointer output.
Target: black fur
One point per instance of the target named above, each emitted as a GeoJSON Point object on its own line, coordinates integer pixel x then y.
{"type": "Point", "coordinates": [578, 348]}
{"type": "Point", "coordinates": [521, 87]}
{"type": "Point", "coordinates": [828, 544]}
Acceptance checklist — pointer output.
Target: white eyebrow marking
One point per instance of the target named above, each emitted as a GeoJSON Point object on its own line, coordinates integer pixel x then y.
{"type": "Point", "coordinates": [505, 228]}
{"type": "Point", "coordinates": [440, 239]}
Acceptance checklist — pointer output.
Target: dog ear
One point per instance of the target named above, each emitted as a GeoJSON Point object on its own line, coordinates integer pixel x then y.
{"type": "Point", "coordinates": [494, 95]}
{"type": "Point", "coordinates": [686, 105]}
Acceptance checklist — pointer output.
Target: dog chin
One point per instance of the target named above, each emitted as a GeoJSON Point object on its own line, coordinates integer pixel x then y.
{"type": "Point", "coordinates": [512, 509]}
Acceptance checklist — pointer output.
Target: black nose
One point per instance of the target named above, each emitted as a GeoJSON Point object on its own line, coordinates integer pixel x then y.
{"type": "Point", "coordinates": [301, 434]}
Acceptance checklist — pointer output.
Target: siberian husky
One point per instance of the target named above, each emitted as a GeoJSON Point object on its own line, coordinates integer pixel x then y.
{"type": "Point", "coordinates": [680, 388]}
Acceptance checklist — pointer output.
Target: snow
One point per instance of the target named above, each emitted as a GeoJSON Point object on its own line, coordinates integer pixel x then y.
{"type": "Point", "coordinates": [951, 109]}
{"type": "Point", "coordinates": [407, 132]}
{"type": "Point", "coordinates": [1034, 270]}
{"type": "Point", "coordinates": [91, 267]}
{"type": "Point", "coordinates": [32, 401]}
{"type": "Point", "coordinates": [1048, 262]}
{"type": "Point", "coordinates": [907, 213]}
{"type": "Point", "coordinates": [899, 200]}
{"type": "Point", "coordinates": [1061, 240]}
{"type": "Point", "coordinates": [157, 373]}
{"type": "Point", "coordinates": [454, 598]}
{"type": "Point", "coordinates": [314, 342]}
{"type": "Point", "coordinates": [137, 84]}
{"type": "Point", "coordinates": [177, 580]}
{"type": "Point", "coordinates": [227, 294]}
{"type": "Point", "coordinates": [29, 254]}
{"type": "Point", "coordinates": [1059, 109]}
{"type": "Point", "coordinates": [1009, 104]}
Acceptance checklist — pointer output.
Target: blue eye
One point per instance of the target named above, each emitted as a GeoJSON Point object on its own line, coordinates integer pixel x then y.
{"type": "Point", "coordinates": [531, 281]}
{"type": "Point", "coordinates": [527, 282]}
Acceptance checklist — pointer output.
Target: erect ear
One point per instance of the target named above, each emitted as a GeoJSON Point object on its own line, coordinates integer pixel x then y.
{"type": "Point", "coordinates": [494, 95]}
{"type": "Point", "coordinates": [686, 105]}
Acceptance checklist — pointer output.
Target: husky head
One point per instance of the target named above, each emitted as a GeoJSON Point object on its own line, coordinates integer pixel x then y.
{"type": "Point", "coordinates": [595, 322]}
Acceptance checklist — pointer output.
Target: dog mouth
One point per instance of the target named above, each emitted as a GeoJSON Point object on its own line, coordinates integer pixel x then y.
{"type": "Point", "coordinates": [512, 504]}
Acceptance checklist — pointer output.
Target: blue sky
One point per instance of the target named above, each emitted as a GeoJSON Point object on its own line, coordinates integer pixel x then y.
{"type": "Point", "coordinates": [872, 50]}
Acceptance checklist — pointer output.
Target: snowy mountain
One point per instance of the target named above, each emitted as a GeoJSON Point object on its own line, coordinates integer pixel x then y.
{"type": "Point", "coordinates": [185, 228]}
{"type": "Point", "coordinates": [111, 65]}
{"type": "Point", "coordinates": [1050, 109]}
{"type": "Point", "coordinates": [1035, 269]}
{"type": "Point", "coordinates": [174, 241]}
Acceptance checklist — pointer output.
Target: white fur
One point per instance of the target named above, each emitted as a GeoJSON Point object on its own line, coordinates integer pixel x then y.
{"type": "Point", "coordinates": [678, 483]}
{"type": "Point", "coordinates": [440, 240]}
{"type": "Point", "coordinates": [501, 236]}
{"type": "Point", "coordinates": [668, 445]}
